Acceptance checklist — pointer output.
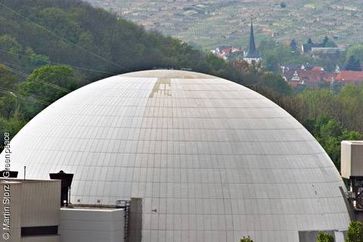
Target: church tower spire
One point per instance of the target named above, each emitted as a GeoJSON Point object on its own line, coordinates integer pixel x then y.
{"type": "Point", "coordinates": [252, 54]}
{"type": "Point", "coordinates": [252, 46]}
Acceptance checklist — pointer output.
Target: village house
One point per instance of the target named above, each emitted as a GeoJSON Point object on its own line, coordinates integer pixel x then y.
{"type": "Point", "coordinates": [224, 52]}
{"type": "Point", "coordinates": [310, 77]}
{"type": "Point", "coordinates": [349, 77]}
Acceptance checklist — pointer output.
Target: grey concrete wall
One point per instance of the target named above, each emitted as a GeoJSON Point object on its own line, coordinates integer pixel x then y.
{"type": "Point", "coordinates": [41, 239]}
{"type": "Point", "coordinates": [40, 203]}
{"type": "Point", "coordinates": [91, 225]}
{"type": "Point", "coordinates": [345, 157]}
{"type": "Point", "coordinates": [15, 211]}
{"type": "Point", "coordinates": [351, 158]}
{"type": "Point", "coordinates": [32, 204]}
{"type": "Point", "coordinates": [357, 158]}
{"type": "Point", "coordinates": [135, 220]}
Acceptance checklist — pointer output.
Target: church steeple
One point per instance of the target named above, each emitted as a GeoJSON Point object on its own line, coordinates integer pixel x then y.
{"type": "Point", "coordinates": [252, 54]}
{"type": "Point", "coordinates": [252, 45]}
{"type": "Point", "coordinates": [252, 51]}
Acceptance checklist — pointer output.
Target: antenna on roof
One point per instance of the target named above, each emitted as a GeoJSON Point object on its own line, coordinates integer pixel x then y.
{"type": "Point", "coordinates": [24, 172]}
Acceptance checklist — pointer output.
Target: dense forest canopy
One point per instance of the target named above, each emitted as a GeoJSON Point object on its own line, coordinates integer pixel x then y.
{"type": "Point", "coordinates": [50, 47]}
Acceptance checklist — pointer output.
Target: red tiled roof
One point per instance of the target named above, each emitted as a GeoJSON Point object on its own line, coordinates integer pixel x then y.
{"type": "Point", "coordinates": [312, 77]}
{"type": "Point", "coordinates": [226, 50]}
{"type": "Point", "coordinates": [350, 76]}
{"type": "Point", "coordinates": [317, 69]}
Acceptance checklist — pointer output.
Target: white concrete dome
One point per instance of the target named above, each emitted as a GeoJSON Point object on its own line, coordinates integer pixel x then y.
{"type": "Point", "coordinates": [212, 160]}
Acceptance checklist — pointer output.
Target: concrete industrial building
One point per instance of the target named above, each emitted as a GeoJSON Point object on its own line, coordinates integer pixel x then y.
{"type": "Point", "coordinates": [352, 159]}
{"type": "Point", "coordinates": [352, 171]}
{"type": "Point", "coordinates": [32, 209]}
{"type": "Point", "coordinates": [34, 213]}
{"type": "Point", "coordinates": [210, 160]}
{"type": "Point", "coordinates": [92, 224]}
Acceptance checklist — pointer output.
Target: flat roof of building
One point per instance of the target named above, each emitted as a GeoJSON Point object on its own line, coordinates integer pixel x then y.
{"type": "Point", "coordinates": [17, 180]}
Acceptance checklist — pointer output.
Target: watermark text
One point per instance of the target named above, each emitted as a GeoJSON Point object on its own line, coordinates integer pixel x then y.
{"type": "Point", "coordinates": [6, 190]}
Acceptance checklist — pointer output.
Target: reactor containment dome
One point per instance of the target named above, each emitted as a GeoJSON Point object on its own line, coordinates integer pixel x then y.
{"type": "Point", "coordinates": [212, 160]}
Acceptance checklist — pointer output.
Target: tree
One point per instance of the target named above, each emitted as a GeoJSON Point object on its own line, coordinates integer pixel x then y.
{"type": "Point", "coordinates": [35, 60]}
{"type": "Point", "coordinates": [45, 85]}
{"type": "Point", "coordinates": [353, 64]}
{"type": "Point", "coordinates": [328, 42]}
{"type": "Point", "coordinates": [246, 239]}
{"type": "Point", "coordinates": [355, 232]}
{"type": "Point", "coordinates": [272, 63]}
{"type": "Point", "coordinates": [274, 83]}
{"type": "Point", "coordinates": [11, 125]}
{"type": "Point", "coordinates": [330, 133]}
{"type": "Point", "coordinates": [7, 80]}
{"type": "Point", "coordinates": [9, 44]}
{"type": "Point", "coordinates": [351, 100]}
{"type": "Point", "coordinates": [356, 50]}
{"type": "Point", "coordinates": [293, 45]}
{"type": "Point", "coordinates": [8, 105]}
{"type": "Point", "coordinates": [324, 237]}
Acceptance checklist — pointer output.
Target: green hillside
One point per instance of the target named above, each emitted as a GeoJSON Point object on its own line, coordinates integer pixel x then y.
{"type": "Point", "coordinates": [222, 22]}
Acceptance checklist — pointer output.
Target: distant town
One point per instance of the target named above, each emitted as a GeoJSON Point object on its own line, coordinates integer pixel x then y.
{"type": "Point", "coordinates": [303, 74]}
